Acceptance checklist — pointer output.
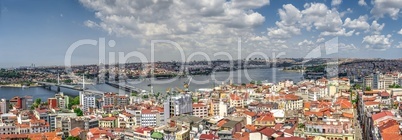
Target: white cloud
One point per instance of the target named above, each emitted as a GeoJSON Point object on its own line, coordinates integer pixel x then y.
{"type": "Point", "coordinates": [214, 23]}
{"type": "Point", "coordinates": [315, 16]}
{"type": "Point", "coordinates": [341, 32]}
{"type": "Point", "coordinates": [346, 47]}
{"type": "Point", "coordinates": [319, 16]}
{"type": "Point", "coordinates": [362, 3]}
{"type": "Point", "coordinates": [320, 40]}
{"type": "Point", "coordinates": [360, 23]}
{"type": "Point", "coordinates": [90, 24]}
{"type": "Point", "coordinates": [378, 42]}
{"type": "Point", "coordinates": [376, 28]}
{"type": "Point", "coordinates": [342, 14]}
{"type": "Point", "coordinates": [400, 32]}
{"type": "Point", "coordinates": [399, 46]}
{"type": "Point", "coordinates": [288, 26]}
{"type": "Point", "coordinates": [336, 2]}
{"type": "Point", "coordinates": [386, 7]}
{"type": "Point", "coordinates": [306, 43]}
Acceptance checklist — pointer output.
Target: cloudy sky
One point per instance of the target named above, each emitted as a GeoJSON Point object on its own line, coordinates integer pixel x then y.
{"type": "Point", "coordinates": [41, 32]}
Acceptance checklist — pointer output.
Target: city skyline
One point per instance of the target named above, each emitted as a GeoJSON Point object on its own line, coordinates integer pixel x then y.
{"type": "Point", "coordinates": [40, 32]}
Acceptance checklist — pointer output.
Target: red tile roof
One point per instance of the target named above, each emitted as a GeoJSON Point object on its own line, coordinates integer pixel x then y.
{"type": "Point", "coordinates": [266, 117]}
{"type": "Point", "coordinates": [108, 119]}
{"type": "Point", "coordinates": [143, 129]}
{"type": "Point", "coordinates": [208, 137]}
{"type": "Point", "coordinates": [267, 131]}
{"type": "Point", "coordinates": [390, 130]}
{"type": "Point", "coordinates": [290, 138]}
{"type": "Point", "coordinates": [75, 132]}
{"type": "Point", "coordinates": [371, 103]}
{"type": "Point", "coordinates": [385, 94]}
{"type": "Point", "coordinates": [251, 127]}
{"type": "Point", "coordinates": [249, 113]}
{"type": "Point", "coordinates": [198, 105]}
{"type": "Point", "coordinates": [381, 114]}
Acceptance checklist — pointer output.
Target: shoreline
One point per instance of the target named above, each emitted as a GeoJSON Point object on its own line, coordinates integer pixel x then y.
{"type": "Point", "coordinates": [298, 71]}
{"type": "Point", "coordinates": [18, 86]}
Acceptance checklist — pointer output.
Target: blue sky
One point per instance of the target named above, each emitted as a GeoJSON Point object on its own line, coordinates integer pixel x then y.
{"type": "Point", "coordinates": [41, 32]}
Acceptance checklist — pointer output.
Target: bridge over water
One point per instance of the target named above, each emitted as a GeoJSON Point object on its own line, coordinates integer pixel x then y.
{"type": "Point", "coordinates": [125, 87]}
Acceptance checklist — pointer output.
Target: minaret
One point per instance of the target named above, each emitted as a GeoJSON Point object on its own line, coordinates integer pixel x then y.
{"type": "Point", "coordinates": [58, 79]}
{"type": "Point", "coordinates": [83, 82]}
{"type": "Point", "coordinates": [152, 90]}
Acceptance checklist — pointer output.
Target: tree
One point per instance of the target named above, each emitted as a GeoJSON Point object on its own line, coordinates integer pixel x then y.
{"type": "Point", "coordinates": [145, 96]}
{"type": "Point", "coordinates": [73, 101]}
{"type": "Point", "coordinates": [368, 88]}
{"type": "Point", "coordinates": [357, 86]}
{"type": "Point", "coordinates": [394, 85]}
{"type": "Point", "coordinates": [38, 101]}
{"type": "Point", "coordinates": [259, 82]}
{"type": "Point", "coordinates": [134, 93]}
{"type": "Point", "coordinates": [72, 138]}
{"type": "Point", "coordinates": [78, 111]}
{"type": "Point", "coordinates": [68, 81]}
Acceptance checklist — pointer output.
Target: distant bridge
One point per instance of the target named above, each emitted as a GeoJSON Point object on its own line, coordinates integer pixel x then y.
{"type": "Point", "coordinates": [125, 87]}
{"type": "Point", "coordinates": [47, 84]}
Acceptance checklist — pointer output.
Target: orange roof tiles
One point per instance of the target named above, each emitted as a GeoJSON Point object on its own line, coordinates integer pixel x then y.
{"type": "Point", "coordinates": [143, 129]}
{"type": "Point", "coordinates": [390, 130]}
{"type": "Point", "coordinates": [307, 104]}
{"type": "Point", "coordinates": [108, 119]}
{"type": "Point", "coordinates": [267, 117]}
{"type": "Point", "coordinates": [198, 105]}
{"type": "Point", "coordinates": [241, 136]}
{"type": "Point", "coordinates": [347, 115]}
{"type": "Point", "coordinates": [234, 97]}
{"type": "Point", "coordinates": [384, 94]}
{"type": "Point", "coordinates": [221, 123]}
{"type": "Point", "coordinates": [249, 113]}
{"type": "Point", "coordinates": [267, 131]}
{"type": "Point", "coordinates": [345, 104]}
{"type": "Point", "coordinates": [75, 132]}
{"type": "Point", "coordinates": [251, 127]}
{"type": "Point", "coordinates": [371, 103]}
{"type": "Point", "coordinates": [381, 114]}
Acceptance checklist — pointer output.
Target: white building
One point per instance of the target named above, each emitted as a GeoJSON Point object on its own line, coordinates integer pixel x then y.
{"type": "Point", "coordinates": [7, 124]}
{"type": "Point", "coordinates": [87, 100]}
{"type": "Point", "coordinates": [3, 106]}
{"type": "Point", "coordinates": [62, 100]}
{"type": "Point", "coordinates": [178, 104]}
{"type": "Point", "coordinates": [200, 110]}
{"type": "Point", "coordinates": [152, 117]}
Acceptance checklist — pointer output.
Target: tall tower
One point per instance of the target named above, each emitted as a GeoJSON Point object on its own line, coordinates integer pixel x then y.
{"type": "Point", "coordinates": [58, 79]}
{"type": "Point", "coordinates": [83, 82]}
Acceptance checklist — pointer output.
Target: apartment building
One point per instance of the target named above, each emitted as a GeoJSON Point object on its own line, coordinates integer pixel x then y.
{"type": "Point", "coordinates": [200, 110]}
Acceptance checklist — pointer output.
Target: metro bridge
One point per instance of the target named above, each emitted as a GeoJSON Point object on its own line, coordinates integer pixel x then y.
{"type": "Point", "coordinates": [126, 87]}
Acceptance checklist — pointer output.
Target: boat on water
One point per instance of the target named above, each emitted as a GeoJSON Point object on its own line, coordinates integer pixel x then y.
{"type": "Point", "coordinates": [24, 86]}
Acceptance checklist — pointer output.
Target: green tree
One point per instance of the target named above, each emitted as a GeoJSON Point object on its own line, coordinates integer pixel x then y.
{"type": "Point", "coordinates": [38, 101]}
{"type": "Point", "coordinates": [368, 88]}
{"type": "Point", "coordinates": [394, 85]}
{"type": "Point", "coordinates": [145, 97]}
{"type": "Point", "coordinates": [73, 138]}
{"type": "Point", "coordinates": [73, 101]}
{"type": "Point", "coordinates": [259, 82]}
{"type": "Point", "coordinates": [78, 111]}
{"type": "Point", "coordinates": [357, 86]}
{"type": "Point", "coordinates": [68, 81]}
{"type": "Point", "coordinates": [134, 93]}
